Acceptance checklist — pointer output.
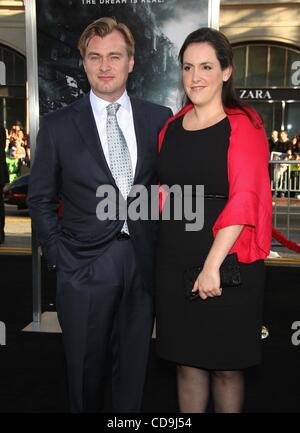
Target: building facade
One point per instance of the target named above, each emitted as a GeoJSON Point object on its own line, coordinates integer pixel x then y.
{"type": "Point", "coordinates": [266, 39]}
{"type": "Point", "coordinates": [265, 35]}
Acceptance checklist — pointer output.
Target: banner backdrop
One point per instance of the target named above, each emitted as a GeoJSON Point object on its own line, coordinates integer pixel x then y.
{"type": "Point", "coordinates": [158, 26]}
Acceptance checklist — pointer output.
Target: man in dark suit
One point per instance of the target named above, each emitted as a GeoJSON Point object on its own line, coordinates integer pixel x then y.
{"type": "Point", "coordinates": [4, 178]}
{"type": "Point", "coordinates": [104, 267]}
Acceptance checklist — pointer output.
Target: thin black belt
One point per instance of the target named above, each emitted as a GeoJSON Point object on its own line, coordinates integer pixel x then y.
{"type": "Point", "coordinates": [217, 196]}
{"type": "Point", "coordinates": [194, 194]}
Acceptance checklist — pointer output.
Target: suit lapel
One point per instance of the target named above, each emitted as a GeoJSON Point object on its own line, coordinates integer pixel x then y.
{"type": "Point", "coordinates": [86, 125]}
{"type": "Point", "coordinates": [140, 127]}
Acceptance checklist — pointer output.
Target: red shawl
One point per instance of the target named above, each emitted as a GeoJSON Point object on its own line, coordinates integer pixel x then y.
{"type": "Point", "coordinates": [250, 198]}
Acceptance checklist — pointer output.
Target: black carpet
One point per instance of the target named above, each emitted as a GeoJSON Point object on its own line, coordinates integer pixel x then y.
{"type": "Point", "coordinates": [32, 370]}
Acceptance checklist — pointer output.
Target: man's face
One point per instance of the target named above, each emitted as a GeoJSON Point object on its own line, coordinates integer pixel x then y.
{"type": "Point", "coordinates": [107, 65]}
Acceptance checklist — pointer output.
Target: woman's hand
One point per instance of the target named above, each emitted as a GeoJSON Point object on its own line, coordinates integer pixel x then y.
{"type": "Point", "coordinates": [208, 283]}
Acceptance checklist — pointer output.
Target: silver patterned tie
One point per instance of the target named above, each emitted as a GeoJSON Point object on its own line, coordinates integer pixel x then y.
{"type": "Point", "coordinates": [119, 156]}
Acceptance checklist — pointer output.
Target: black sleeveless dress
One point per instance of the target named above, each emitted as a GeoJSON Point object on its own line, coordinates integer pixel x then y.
{"type": "Point", "coordinates": [220, 333]}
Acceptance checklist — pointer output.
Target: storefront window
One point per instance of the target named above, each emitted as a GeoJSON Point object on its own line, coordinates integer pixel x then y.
{"type": "Point", "coordinates": [20, 70]}
{"type": "Point", "coordinates": [8, 60]}
{"type": "Point", "coordinates": [15, 65]}
{"type": "Point", "coordinates": [262, 65]}
{"type": "Point", "coordinates": [266, 112]}
{"type": "Point", "coordinates": [292, 118]}
{"type": "Point", "coordinates": [239, 66]}
{"type": "Point", "coordinates": [277, 66]}
{"type": "Point", "coordinates": [257, 66]}
{"type": "Point", "coordinates": [271, 114]}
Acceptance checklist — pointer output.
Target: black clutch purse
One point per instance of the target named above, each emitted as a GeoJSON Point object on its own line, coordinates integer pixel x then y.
{"type": "Point", "coordinates": [229, 273]}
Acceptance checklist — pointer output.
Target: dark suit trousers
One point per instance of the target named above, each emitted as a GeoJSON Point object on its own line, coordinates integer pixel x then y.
{"type": "Point", "coordinates": [104, 306]}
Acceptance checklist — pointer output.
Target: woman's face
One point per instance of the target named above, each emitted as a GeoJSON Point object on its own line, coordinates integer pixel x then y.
{"type": "Point", "coordinates": [202, 74]}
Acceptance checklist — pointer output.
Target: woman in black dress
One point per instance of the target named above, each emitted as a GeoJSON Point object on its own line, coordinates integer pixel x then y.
{"type": "Point", "coordinates": [217, 142]}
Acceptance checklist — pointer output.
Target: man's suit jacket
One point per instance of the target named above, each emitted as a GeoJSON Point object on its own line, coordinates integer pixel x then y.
{"type": "Point", "coordinates": [70, 164]}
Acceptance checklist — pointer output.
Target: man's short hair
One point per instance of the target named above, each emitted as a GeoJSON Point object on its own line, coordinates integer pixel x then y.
{"type": "Point", "coordinates": [103, 27]}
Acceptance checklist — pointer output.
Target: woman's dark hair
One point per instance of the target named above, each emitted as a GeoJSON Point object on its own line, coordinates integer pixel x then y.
{"type": "Point", "coordinates": [224, 54]}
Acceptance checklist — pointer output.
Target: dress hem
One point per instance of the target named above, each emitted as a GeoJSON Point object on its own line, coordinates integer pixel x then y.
{"type": "Point", "coordinates": [205, 367]}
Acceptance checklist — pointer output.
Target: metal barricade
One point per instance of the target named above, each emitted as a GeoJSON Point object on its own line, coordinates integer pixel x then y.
{"type": "Point", "coordinates": [285, 185]}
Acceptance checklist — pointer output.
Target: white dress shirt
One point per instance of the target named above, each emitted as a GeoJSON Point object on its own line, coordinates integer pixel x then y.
{"type": "Point", "coordinates": [125, 121]}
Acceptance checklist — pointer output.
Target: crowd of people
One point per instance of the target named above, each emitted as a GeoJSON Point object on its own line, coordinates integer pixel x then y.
{"type": "Point", "coordinates": [285, 177]}
{"type": "Point", "coordinates": [14, 161]}
{"type": "Point", "coordinates": [17, 150]}
{"type": "Point", "coordinates": [280, 142]}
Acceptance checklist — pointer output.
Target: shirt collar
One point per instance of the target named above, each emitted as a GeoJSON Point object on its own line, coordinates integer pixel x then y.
{"type": "Point", "coordinates": [99, 104]}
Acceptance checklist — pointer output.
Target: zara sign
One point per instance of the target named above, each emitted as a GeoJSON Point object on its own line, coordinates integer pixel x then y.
{"type": "Point", "coordinates": [263, 94]}
{"type": "Point", "coordinates": [255, 94]}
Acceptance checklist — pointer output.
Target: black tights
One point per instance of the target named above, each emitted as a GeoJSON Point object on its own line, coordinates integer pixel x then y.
{"type": "Point", "coordinates": [193, 390]}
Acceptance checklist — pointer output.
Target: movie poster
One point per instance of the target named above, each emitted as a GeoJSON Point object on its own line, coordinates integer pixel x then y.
{"type": "Point", "coordinates": [159, 28]}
